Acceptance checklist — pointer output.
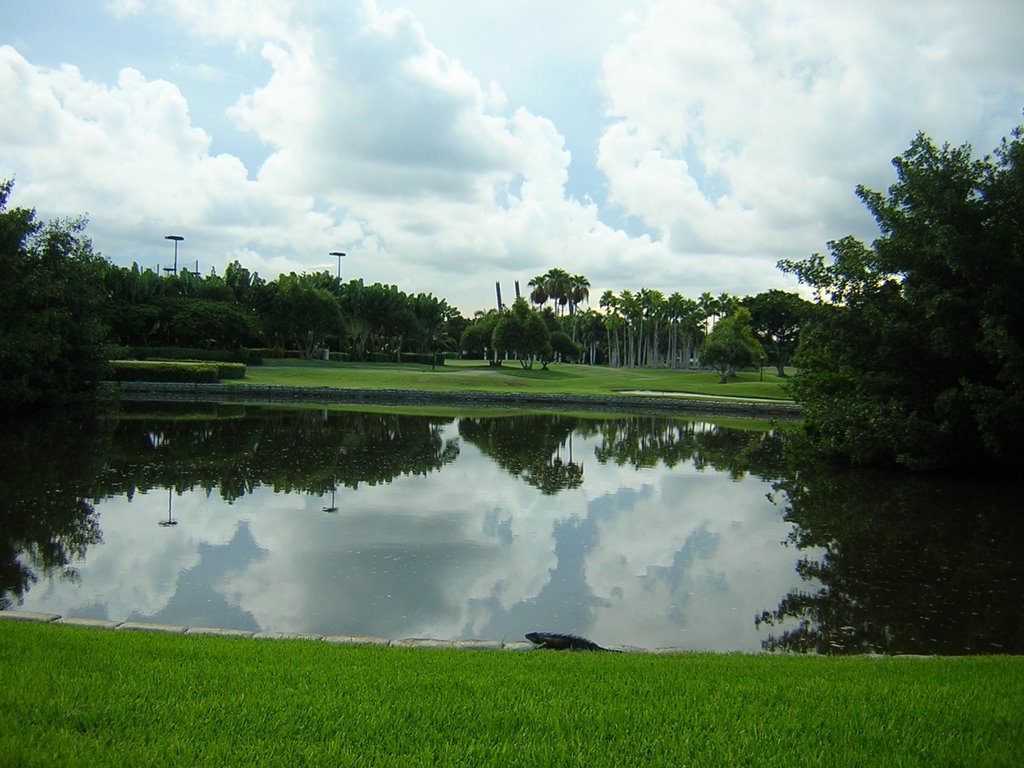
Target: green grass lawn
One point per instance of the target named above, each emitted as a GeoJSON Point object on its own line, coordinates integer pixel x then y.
{"type": "Point", "coordinates": [464, 375]}
{"type": "Point", "coordinates": [73, 696]}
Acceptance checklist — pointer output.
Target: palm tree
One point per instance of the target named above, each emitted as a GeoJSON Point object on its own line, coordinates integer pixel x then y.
{"type": "Point", "coordinates": [685, 317]}
{"type": "Point", "coordinates": [590, 325]}
{"type": "Point", "coordinates": [709, 307]}
{"type": "Point", "coordinates": [652, 305]}
{"type": "Point", "coordinates": [631, 310]}
{"type": "Point", "coordinates": [556, 287]}
{"type": "Point", "coordinates": [609, 302]}
{"type": "Point", "coordinates": [579, 291]}
{"type": "Point", "coordinates": [539, 294]}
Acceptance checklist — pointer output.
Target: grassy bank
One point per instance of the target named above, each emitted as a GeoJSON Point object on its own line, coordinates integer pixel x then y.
{"type": "Point", "coordinates": [463, 376]}
{"type": "Point", "coordinates": [80, 697]}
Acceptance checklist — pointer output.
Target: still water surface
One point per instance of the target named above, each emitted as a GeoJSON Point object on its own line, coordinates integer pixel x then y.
{"type": "Point", "coordinates": [646, 531]}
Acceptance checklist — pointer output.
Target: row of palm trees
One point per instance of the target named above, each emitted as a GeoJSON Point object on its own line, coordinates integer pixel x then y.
{"type": "Point", "coordinates": [649, 329]}
{"type": "Point", "coordinates": [640, 329]}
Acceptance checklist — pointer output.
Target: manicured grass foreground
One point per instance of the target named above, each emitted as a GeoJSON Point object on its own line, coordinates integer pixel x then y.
{"type": "Point", "coordinates": [74, 696]}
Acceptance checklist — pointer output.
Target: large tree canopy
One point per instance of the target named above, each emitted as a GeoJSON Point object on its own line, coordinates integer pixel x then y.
{"type": "Point", "coordinates": [914, 355]}
{"type": "Point", "coordinates": [776, 318]}
{"type": "Point", "coordinates": [52, 343]}
{"type": "Point", "coordinates": [521, 333]}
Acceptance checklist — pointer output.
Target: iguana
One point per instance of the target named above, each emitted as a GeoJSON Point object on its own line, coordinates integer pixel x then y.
{"type": "Point", "coordinates": [556, 641]}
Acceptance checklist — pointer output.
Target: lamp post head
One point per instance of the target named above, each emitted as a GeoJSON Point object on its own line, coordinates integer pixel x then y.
{"type": "Point", "coordinates": [177, 239]}
{"type": "Point", "coordinates": [339, 254]}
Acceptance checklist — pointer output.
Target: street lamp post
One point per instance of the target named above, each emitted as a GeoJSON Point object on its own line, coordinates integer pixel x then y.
{"type": "Point", "coordinates": [177, 239]}
{"type": "Point", "coordinates": [339, 254]}
{"type": "Point", "coordinates": [170, 503]}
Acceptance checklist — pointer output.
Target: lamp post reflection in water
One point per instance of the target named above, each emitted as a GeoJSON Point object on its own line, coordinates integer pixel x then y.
{"type": "Point", "coordinates": [333, 507]}
{"type": "Point", "coordinates": [170, 501]}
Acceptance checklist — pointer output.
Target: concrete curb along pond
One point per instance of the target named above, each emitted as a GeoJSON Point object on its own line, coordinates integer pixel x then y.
{"type": "Point", "coordinates": [668, 404]}
{"type": "Point", "coordinates": [409, 642]}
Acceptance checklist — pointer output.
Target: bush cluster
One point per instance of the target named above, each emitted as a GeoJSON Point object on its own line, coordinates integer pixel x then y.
{"type": "Point", "coordinates": [194, 372]}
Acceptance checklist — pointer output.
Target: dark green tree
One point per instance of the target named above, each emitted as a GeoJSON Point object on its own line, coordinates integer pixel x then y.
{"type": "Point", "coordinates": [565, 348]}
{"type": "Point", "coordinates": [914, 356]}
{"type": "Point", "coordinates": [476, 338]}
{"type": "Point", "coordinates": [301, 313]}
{"type": "Point", "coordinates": [204, 323]}
{"type": "Point", "coordinates": [731, 345]}
{"type": "Point", "coordinates": [776, 318]}
{"type": "Point", "coordinates": [522, 334]}
{"type": "Point", "coordinates": [53, 346]}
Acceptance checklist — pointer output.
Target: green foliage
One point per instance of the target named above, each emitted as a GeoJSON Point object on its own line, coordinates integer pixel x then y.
{"type": "Point", "coordinates": [561, 288]}
{"type": "Point", "coordinates": [476, 338]}
{"type": "Point", "coordinates": [776, 318]}
{"type": "Point", "coordinates": [301, 312]}
{"type": "Point", "coordinates": [381, 320]}
{"type": "Point", "coordinates": [731, 345]}
{"type": "Point", "coordinates": [646, 329]}
{"type": "Point", "coordinates": [522, 334]}
{"type": "Point", "coordinates": [202, 322]}
{"type": "Point", "coordinates": [230, 370]}
{"type": "Point", "coordinates": [915, 355]}
{"type": "Point", "coordinates": [52, 343]}
{"type": "Point", "coordinates": [148, 370]}
{"type": "Point", "coordinates": [565, 348]}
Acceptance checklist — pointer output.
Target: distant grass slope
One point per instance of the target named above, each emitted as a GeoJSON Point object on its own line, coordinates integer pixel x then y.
{"type": "Point", "coordinates": [463, 376]}
{"type": "Point", "coordinates": [80, 697]}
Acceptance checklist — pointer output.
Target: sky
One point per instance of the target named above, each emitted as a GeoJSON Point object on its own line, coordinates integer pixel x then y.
{"type": "Point", "coordinates": [444, 146]}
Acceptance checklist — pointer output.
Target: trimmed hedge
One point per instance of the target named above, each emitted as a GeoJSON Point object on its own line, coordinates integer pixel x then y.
{"type": "Point", "coordinates": [230, 371]}
{"type": "Point", "coordinates": [190, 372]}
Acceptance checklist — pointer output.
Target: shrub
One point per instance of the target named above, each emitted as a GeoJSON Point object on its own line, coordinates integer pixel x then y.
{"type": "Point", "coordinates": [230, 370]}
{"type": "Point", "coordinates": [145, 370]}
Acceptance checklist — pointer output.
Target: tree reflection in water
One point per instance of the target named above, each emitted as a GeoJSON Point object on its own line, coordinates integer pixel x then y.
{"type": "Point", "coordinates": [228, 450]}
{"type": "Point", "coordinates": [894, 563]}
{"type": "Point", "coordinates": [530, 447]}
{"type": "Point", "coordinates": [47, 521]}
{"type": "Point", "coordinates": [911, 564]}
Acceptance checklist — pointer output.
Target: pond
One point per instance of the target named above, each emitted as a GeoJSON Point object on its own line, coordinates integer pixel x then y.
{"type": "Point", "coordinates": [648, 531]}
